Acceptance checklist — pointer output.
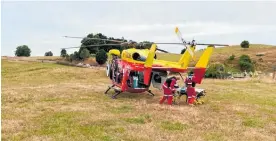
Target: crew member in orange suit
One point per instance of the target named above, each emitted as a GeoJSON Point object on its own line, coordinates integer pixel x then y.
{"type": "Point", "coordinates": [168, 88]}
{"type": "Point", "coordinates": [191, 93]}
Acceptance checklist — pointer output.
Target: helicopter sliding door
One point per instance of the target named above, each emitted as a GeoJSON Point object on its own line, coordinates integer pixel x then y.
{"type": "Point", "coordinates": [158, 78]}
{"type": "Point", "coordinates": [136, 80]}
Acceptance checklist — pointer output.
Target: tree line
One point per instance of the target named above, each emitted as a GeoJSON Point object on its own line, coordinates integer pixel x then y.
{"type": "Point", "coordinates": [100, 52]}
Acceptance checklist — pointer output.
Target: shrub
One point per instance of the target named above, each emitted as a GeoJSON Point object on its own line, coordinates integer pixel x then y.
{"type": "Point", "coordinates": [101, 57]}
{"type": "Point", "coordinates": [84, 54]}
{"type": "Point", "coordinates": [245, 44]}
{"type": "Point", "coordinates": [67, 57]}
{"type": "Point", "coordinates": [245, 58]}
{"type": "Point", "coordinates": [245, 63]}
{"type": "Point", "coordinates": [215, 70]}
{"type": "Point", "coordinates": [74, 56]}
{"type": "Point", "coordinates": [23, 50]}
{"type": "Point", "coordinates": [232, 57]}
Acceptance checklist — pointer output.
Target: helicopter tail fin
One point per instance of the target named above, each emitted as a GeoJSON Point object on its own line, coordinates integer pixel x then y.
{"type": "Point", "coordinates": [186, 58]}
{"type": "Point", "coordinates": [201, 65]}
{"type": "Point", "coordinates": [148, 64]}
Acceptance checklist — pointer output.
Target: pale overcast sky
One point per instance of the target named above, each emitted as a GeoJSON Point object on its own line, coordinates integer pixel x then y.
{"type": "Point", "coordinates": [41, 25]}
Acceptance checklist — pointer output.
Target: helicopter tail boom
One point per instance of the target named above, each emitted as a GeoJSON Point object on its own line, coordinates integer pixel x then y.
{"type": "Point", "coordinates": [148, 64]}
{"type": "Point", "coordinates": [201, 65]}
{"type": "Point", "coordinates": [185, 59]}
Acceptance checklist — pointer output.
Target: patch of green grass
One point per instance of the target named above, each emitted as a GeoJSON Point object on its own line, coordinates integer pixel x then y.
{"type": "Point", "coordinates": [122, 109]}
{"type": "Point", "coordinates": [104, 123]}
{"type": "Point", "coordinates": [213, 136]}
{"type": "Point", "coordinates": [241, 96]}
{"type": "Point", "coordinates": [92, 130]}
{"type": "Point", "coordinates": [67, 124]}
{"type": "Point", "coordinates": [57, 123]}
{"type": "Point", "coordinates": [119, 130]}
{"type": "Point", "coordinates": [142, 119]}
{"type": "Point", "coordinates": [136, 120]}
{"type": "Point", "coordinates": [146, 117]}
{"type": "Point", "coordinates": [253, 122]}
{"type": "Point", "coordinates": [49, 99]}
{"type": "Point", "coordinates": [172, 126]}
{"type": "Point", "coordinates": [214, 107]}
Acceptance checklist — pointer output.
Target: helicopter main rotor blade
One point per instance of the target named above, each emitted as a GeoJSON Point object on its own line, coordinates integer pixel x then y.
{"type": "Point", "coordinates": [170, 43]}
{"type": "Point", "coordinates": [212, 44]}
{"type": "Point", "coordinates": [188, 44]}
{"type": "Point", "coordinates": [94, 46]}
{"type": "Point", "coordinates": [162, 50]}
{"type": "Point", "coordinates": [94, 39]}
{"type": "Point", "coordinates": [73, 37]}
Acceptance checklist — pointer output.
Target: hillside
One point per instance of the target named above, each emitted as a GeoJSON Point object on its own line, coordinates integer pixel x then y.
{"type": "Point", "coordinates": [221, 55]}
{"type": "Point", "coordinates": [263, 63]}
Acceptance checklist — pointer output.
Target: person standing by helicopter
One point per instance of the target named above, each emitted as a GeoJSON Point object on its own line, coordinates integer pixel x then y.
{"type": "Point", "coordinates": [169, 89]}
{"type": "Point", "coordinates": [191, 93]}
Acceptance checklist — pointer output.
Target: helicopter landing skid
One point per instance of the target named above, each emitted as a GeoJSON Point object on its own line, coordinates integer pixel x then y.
{"type": "Point", "coordinates": [109, 87]}
{"type": "Point", "coordinates": [117, 92]}
{"type": "Point", "coordinates": [150, 93]}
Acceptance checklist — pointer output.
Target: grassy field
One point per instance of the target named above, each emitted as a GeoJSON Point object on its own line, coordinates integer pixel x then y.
{"type": "Point", "coordinates": [44, 101]}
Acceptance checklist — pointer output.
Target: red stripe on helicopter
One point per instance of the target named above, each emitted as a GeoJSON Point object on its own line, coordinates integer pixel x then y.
{"type": "Point", "coordinates": [147, 74]}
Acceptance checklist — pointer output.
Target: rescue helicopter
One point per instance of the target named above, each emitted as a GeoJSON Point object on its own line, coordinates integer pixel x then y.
{"type": "Point", "coordinates": [133, 70]}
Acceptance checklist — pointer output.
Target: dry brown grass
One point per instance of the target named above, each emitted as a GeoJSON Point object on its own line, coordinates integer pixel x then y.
{"type": "Point", "coordinates": [33, 58]}
{"type": "Point", "coordinates": [43, 101]}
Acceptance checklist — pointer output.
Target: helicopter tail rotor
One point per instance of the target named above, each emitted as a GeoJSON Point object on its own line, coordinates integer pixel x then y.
{"type": "Point", "coordinates": [179, 35]}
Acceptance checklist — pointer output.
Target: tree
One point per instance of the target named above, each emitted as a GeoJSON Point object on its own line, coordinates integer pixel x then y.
{"type": "Point", "coordinates": [246, 63]}
{"type": "Point", "coordinates": [183, 50]}
{"type": "Point", "coordinates": [23, 50]}
{"type": "Point", "coordinates": [87, 42]}
{"type": "Point", "coordinates": [101, 57]}
{"type": "Point", "coordinates": [63, 53]}
{"type": "Point", "coordinates": [93, 50]}
{"type": "Point", "coordinates": [49, 53]}
{"type": "Point", "coordinates": [84, 54]}
{"type": "Point", "coordinates": [245, 44]}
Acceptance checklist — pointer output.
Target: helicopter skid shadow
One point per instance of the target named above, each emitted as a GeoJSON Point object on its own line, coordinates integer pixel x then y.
{"type": "Point", "coordinates": [137, 96]}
